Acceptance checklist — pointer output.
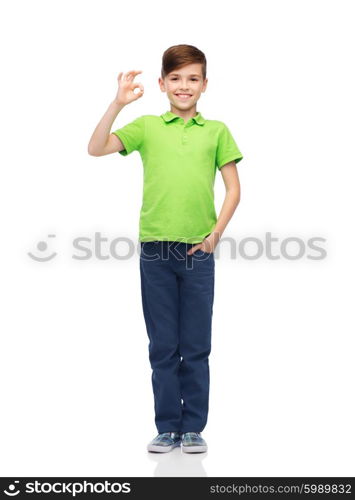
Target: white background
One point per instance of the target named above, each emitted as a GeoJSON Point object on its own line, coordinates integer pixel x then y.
{"type": "Point", "coordinates": [75, 376]}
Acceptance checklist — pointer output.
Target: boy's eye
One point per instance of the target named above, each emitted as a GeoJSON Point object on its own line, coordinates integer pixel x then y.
{"type": "Point", "coordinates": [195, 79]}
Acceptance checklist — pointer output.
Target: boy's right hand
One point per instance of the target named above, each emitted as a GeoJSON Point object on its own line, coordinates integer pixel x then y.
{"type": "Point", "coordinates": [126, 86]}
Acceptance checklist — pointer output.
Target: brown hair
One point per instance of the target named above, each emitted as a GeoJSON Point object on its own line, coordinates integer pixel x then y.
{"type": "Point", "coordinates": [177, 56]}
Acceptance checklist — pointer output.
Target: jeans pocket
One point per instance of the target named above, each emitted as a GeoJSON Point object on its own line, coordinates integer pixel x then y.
{"type": "Point", "coordinates": [201, 253]}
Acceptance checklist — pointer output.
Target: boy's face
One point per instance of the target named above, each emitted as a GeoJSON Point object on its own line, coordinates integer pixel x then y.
{"type": "Point", "coordinates": [187, 80]}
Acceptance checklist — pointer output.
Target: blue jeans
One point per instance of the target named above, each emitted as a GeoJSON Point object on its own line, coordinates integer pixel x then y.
{"type": "Point", "coordinates": [177, 298]}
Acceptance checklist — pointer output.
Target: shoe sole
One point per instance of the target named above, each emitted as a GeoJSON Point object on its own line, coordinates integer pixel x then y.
{"type": "Point", "coordinates": [194, 449]}
{"type": "Point", "coordinates": [158, 448]}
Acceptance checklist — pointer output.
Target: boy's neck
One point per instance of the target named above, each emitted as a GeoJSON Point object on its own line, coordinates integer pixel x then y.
{"type": "Point", "coordinates": [184, 114]}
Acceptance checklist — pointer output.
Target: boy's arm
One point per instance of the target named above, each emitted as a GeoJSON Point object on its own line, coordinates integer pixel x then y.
{"type": "Point", "coordinates": [231, 181]}
{"type": "Point", "coordinates": [102, 142]}
{"type": "Point", "coordinates": [231, 201]}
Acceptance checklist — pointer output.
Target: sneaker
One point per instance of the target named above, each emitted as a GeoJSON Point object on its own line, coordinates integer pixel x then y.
{"type": "Point", "coordinates": [164, 442]}
{"type": "Point", "coordinates": [192, 442]}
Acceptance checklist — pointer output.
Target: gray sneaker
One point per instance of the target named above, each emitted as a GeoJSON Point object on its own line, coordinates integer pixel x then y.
{"type": "Point", "coordinates": [165, 441]}
{"type": "Point", "coordinates": [192, 442]}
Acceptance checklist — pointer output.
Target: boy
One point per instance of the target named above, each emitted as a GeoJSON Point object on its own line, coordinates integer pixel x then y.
{"type": "Point", "coordinates": [178, 233]}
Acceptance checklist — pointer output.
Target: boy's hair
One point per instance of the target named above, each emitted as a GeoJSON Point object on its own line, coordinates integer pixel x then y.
{"type": "Point", "coordinates": [177, 56]}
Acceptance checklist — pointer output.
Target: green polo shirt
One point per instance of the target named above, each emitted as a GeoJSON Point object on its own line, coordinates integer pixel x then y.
{"type": "Point", "coordinates": [180, 161]}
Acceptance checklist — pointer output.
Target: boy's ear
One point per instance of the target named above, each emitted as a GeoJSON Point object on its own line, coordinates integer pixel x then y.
{"type": "Point", "coordinates": [161, 84]}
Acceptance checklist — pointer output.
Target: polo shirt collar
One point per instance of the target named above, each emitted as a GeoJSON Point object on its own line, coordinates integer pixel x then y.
{"type": "Point", "coordinates": [168, 116]}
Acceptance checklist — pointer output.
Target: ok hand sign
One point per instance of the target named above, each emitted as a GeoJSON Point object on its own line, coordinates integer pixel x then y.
{"type": "Point", "coordinates": [126, 86]}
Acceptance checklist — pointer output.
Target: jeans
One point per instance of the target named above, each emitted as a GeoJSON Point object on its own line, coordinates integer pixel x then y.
{"type": "Point", "coordinates": [177, 299]}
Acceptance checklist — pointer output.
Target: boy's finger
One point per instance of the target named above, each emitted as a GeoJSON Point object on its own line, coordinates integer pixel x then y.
{"type": "Point", "coordinates": [131, 74]}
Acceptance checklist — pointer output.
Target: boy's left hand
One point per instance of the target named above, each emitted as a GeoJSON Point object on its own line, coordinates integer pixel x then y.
{"type": "Point", "coordinates": [208, 245]}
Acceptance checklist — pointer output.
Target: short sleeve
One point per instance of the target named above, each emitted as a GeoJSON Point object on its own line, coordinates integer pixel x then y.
{"type": "Point", "coordinates": [131, 135]}
{"type": "Point", "coordinates": [227, 149]}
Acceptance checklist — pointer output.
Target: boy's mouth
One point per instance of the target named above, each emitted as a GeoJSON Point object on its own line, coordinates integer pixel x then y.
{"type": "Point", "coordinates": [183, 97]}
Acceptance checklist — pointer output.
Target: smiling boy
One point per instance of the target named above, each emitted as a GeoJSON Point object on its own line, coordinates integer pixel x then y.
{"type": "Point", "coordinates": [179, 230]}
